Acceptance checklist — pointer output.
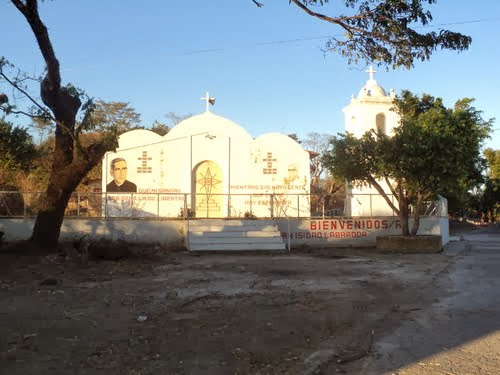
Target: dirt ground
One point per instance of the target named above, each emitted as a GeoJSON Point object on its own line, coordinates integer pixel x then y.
{"type": "Point", "coordinates": [299, 313]}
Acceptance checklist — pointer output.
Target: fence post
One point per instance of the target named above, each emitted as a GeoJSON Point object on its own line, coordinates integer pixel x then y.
{"type": "Point", "coordinates": [185, 206]}
{"type": "Point", "coordinates": [229, 205]}
{"type": "Point", "coordinates": [323, 205]}
{"type": "Point", "coordinates": [251, 209]}
{"type": "Point", "coordinates": [78, 205]}
{"type": "Point", "coordinates": [298, 205]}
{"type": "Point", "coordinates": [158, 205]}
{"type": "Point", "coordinates": [24, 207]}
{"type": "Point", "coordinates": [131, 204]}
{"type": "Point", "coordinates": [272, 205]}
{"type": "Point", "coordinates": [106, 213]}
{"type": "Point", "coordinates": [371, 208]}
{"type": "Point", "coordinates": [289, 235]}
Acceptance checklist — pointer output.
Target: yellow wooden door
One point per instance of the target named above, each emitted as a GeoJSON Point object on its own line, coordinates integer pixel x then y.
{"type": "Point", "coordinates": [208, 182]}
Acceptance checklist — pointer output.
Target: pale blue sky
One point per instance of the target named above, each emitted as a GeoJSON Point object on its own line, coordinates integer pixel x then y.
{"type": "Point", "coordinates": [264, 65]}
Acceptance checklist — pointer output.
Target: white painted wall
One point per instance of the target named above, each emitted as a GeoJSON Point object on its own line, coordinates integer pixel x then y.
{"type": "Point", "coordinates": [208, 137]}
{"type": "Point", "coordinates": [310, 232]}
{"type": "Point", "coordinates": [356, 231]}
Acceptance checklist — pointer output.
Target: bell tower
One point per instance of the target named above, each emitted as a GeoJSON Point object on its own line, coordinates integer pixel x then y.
{"type": "Point", "coordinates": [370, 109]}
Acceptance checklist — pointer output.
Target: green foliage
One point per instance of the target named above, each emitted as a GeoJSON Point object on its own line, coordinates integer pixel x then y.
{"type": "Point", "coordinates": [385, 31]}
{"type": "Point", "coordinates": [295, 137]}
{"type": "Point", "coordinates": [16, 148]}
{"type": "Point", "coordinates": [434, 150]}
{"type": "Point", "coordinates": [107, 116]}
{"type": "Point", "coordinates": [160, 128]}
{"type": "Point", "coordinates": [493, 160]}
{"type": "Point", "coordinates": [249, 215]}
{"type": "Point", "coordinates": [437, 149]}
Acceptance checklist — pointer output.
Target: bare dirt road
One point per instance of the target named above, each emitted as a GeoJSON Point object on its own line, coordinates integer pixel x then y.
{"type": "Point", "coordinates": [460, 332]}
{"type": "Point", "coordinates": [327, 312]}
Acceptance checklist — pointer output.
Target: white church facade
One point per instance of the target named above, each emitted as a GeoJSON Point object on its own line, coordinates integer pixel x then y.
{"type": "Point", "coordinates": [206, 166]}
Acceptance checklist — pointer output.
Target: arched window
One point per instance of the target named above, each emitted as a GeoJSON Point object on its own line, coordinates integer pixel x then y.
{"type": "Point", "coordinates": [380, 123]}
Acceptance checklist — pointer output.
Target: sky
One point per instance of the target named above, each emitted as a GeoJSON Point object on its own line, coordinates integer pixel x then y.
{"type": "Point", "coordinates": [265, 66]}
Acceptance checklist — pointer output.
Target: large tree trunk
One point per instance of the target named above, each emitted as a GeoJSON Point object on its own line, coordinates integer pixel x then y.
{"type": "Point", "coordinates": [68, 167]}
{"type": "Point", "coordinates": [64, 179]}
{"type": "Point", "coordinates": [50, 217]}
{"type": "Point", "coordinates": [403, 211]}
{"type": "Point", "coordinates": [416, 216]}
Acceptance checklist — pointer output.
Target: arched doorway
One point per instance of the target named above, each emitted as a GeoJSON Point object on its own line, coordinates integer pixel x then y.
{"type": "Point", "coordinates": [207, 183]}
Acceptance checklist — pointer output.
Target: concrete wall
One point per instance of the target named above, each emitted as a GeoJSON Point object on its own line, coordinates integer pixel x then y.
{"type": "Point", "coordinates": [355, 231]}
{"type": "Point", "coordinates": [308, 232]}
{"type": "Point", "coordinates": [165, 232]}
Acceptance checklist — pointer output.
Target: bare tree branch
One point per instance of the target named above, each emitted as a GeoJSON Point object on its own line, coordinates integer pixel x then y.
{"type": "Point", "coordinates": [25, 93]}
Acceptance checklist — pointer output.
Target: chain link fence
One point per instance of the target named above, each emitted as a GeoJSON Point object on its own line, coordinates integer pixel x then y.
{"type": "Point", "coordinates": [170, 205]}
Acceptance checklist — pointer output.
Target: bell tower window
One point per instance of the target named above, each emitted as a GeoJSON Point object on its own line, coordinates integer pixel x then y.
{"type": "Point", "coordinates": [380, 124]}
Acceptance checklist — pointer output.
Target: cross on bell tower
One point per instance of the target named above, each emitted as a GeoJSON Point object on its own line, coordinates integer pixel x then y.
{"type": "Point", "coordinates": [371, 71]}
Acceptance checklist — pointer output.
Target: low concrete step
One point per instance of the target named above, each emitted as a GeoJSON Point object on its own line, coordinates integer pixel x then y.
{"type": "Point", "coordinates": [231, 228]}
{"type": "Point", "coordinates": [234, 240]}
{"type": "Point", "coordinates": [250, 233]}
{"type": "Point", "coordinates": [233, 235]}
{"type": "Point", "coordinates": [236, 247]}
{"type": "Point", "coordinates": [230, 222]}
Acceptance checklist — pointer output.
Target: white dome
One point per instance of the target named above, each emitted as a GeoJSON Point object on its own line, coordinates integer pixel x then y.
{"type": "Point", "coordinates": [207, 122]}
{"type": "Point", "coordinates": [138, 137]}
{"type": "Point", "coordinates": [371, 89]}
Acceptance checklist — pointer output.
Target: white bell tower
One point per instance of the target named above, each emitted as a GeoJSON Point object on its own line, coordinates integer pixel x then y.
{"type": "Point", "coordinates": [371, 109]}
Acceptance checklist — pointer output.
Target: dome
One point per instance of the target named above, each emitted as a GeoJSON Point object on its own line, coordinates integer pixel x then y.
{"type": "Point", "coordinates": [207, 122]}
{"type": "Point", "coordinates": [131, 137]}
{"type": "Point", "coordinates": [371, 89]}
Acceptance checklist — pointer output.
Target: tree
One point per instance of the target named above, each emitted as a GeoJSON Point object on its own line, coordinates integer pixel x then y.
{"type": "Point", "coordinates": [325, 189]}
{"type": "Point", "coordinates": [493, 160]}
{"type": "Point", "coordinates": [175, 118]}
{"type": "Point", "coordinates": [384, 31]}
{"type": "Point", "coordinates": [62, 105]}
{"type": "Point", "coordinates": [118, 115]}
{"type": "Point", "coordinates": [17, 152]}
{"type": "Point", "coordinates": [434, 149]}
{"type": "Point", "coordinates": [16, 147]}
{"type": "Point", "coordinates": [489, 201]}
{"type": "Point", "coordinates": [160, 128]}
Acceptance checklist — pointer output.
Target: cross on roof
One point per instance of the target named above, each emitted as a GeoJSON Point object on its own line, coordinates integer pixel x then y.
{"type": "Point", "coordinates": [371, 71]}
{"type": "Point", "coordinates": [208, 101]}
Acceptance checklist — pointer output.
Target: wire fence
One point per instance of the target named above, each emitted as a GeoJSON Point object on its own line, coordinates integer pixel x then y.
{"type": "Point", "coordinates": [171, 205]}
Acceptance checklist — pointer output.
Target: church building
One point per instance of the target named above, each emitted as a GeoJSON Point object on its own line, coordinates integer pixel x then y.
{"type": "Point", "coordinates": [206, 166]}
{"type": "Point", "coordinates": [370, 110]}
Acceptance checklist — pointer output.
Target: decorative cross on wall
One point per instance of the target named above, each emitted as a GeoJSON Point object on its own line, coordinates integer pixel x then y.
{"type": "Point", "coordinates": [143, 167]}
{"type": "Point", "coordinates": [269, 166]}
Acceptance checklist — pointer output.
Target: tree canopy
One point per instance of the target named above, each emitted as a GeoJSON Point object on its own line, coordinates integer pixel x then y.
{"type": "Point", "coordinates": [17, 149]}
{"type": "Point", "coordinates": [493, 160]}
{"type": "Point", "coordinates": [434, 149]}
{"type": "Point", "coordinates": [383, 31]}
{"type": "Point", "coordinates": [118, 115]}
